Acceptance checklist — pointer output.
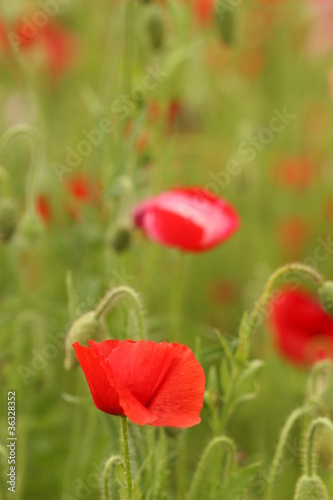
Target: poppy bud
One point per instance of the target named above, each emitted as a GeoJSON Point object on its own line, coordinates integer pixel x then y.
{"type": "Point", "coordinates": [310, 488]}
{"type": "Point", "coordinates": [121, 238]}
{"type": "Point", "coordinates": [325, 294]}
{"type": "Point", "coordinates": [31, 228]}
{"type": "Point", "coordinates": [85, 328]}
{"type": "Point", "coordinates": [155, 27]}
{"type": "Point", "coordinates": [8, 219]}
{"type": "Point", "coordinates": [225, 22]}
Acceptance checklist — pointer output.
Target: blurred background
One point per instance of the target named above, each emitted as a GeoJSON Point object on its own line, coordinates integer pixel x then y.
{"type": "Point", "coordinates": [129, 99]}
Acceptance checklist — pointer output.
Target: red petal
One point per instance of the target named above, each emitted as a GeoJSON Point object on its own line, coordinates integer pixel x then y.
{"type": "Point", "coordinates": [108, 394]}
{"type": "Point", "coordinates": [301, 326]}
{"type": "Point", "coordinates": [179, 400]}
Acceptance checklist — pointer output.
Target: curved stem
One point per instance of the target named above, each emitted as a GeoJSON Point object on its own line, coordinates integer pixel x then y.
{"type": "Point", "coordinates": [310, 460]}
{"type": "Point", "coordinates": [112, 296]}
{"type": "Point", "coordinates": [318, 368]}
{"type": "Point", "coordinates": [296, 414]}
{"type": "Point", "coordinates": [37, 151]}
{"type": "Point", "coordinates": [250, 321]}
{"type": "Point", "coordinates": [126, 458]}
{"type": "Point", "coordinates": [192, 493]}
{"type": "Point", "coordinates": [109, 463]}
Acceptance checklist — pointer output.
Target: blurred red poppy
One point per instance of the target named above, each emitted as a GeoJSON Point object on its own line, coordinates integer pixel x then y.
{"type": "Point", "coordinates": [55, 42]}
{"type": "Point", "coordinates": [303, 330]}
{"type": "Point", "coordinates": [330, 80]}
{"type": "Point", "coordinates": [159, 384]}
{"type": "Point", "coordinates": [293, 233]}
{"type": "Point", "coordinates": [190, 218]}
{"type": "Point", "coordinates": [204, 11]}
{"type": "Point", "coordinates": [174, 109]}
{"type": "Point", "coordinates": [297, 172]}
{"type": "Point", "coordinates": [320, 38]}
{"type": "Point", "coordinates": [43, 208]}
{"type": "Point", "coordinates": [80, 187]}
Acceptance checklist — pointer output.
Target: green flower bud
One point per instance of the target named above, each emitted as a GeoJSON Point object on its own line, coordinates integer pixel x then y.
{"type": "Point", "coordinates": [310, 488]}
{"type": "Point", "coordinates": [85, 328]}
{"type": "Point", "coordinates": [121, 239]}
{"type": "Point", "coordinates": [325, 294]}
{"type": "Point", "coordinates": [8, 219]}
{"type": "Point", "coordinates": [31, 228]}
{"type": "Point", "coordinates": [155, 27]}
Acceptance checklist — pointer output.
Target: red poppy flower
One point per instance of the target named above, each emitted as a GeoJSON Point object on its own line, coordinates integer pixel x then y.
{"type": "Point", "coordinates": [330, 79]}
{"type": "Point", "coordinates": [190, 218]}
{"type": "Point", "coordinates": [79, 186]}
{"type": "Point", "coordinates": [204, 11]}
{"type": "Point", "coordinates": [43, 208]}
{"type": "Point", "coordinates": [174, 110]}
{"type": "Point", "coordinates": [293, 233]}
{"type": "Point", "coordinates": [296, 172]}
{"type": "Point", "coordinates": [303, 330]}
{"type": "Point", "coordinates": [159, 384]}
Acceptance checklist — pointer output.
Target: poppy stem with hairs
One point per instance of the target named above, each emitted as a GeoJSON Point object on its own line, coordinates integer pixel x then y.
{"type": "Point", "coordinates": [124, 436]}
{"type": "Point", "coordinates": [295, 415]}
{"type": "Point", "coordinates": [37, 152]}
{"type": "Point", "coordinates": [250, 321]}
{"type": "Point", "coordinates": [113, 295]}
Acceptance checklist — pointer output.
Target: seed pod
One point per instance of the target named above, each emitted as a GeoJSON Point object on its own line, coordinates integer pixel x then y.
{"type": "Point", "coordinates": [8, 219]}
{"type": "Point", "coordinates": [310, 488]}
{"type": "Point", "coordinates": [85, 328]}
{"type": "Point", "coordinates": [155, 27]}
{"type": "Point", "coordinates": [31, 228]}
{"type": "Point", "coordinates": [225, 20]}
{"type": "Point", "coordinates": [325, 294]}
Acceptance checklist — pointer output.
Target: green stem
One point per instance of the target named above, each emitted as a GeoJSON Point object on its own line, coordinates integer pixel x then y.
{"type": "Point", "coordinates": [177, 296]}
{"type": "Point", "coordinates": [37, 151]}
{"type": "Point", "coordinates": [249, 322]}
{"type": "Point", "coordinates": [310, 457]}
{"type": "Point", "coordinates": [296, 414]}
{"type": "Point", "coordinates": [113, 295]}
{"type": "Point", "coordinates": [109, 463]}
{"type": "Point", "coordinates": [193, 491]}
{"type": "Point", "coordinates": [126, 458]}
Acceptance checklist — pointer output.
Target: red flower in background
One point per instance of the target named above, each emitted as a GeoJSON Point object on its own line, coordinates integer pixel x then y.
{"type": "Point", "coordinates": [191, 219]}
{"type": "Point", "coordinates": [43, 208]}
{"type": "Point", "coordinates": [80, 188]}
{"type": "Point", "coordinates": [293, 234]}
{"type": "Point", "coordinates": [174, 109]}
{"type": "Point", "coordinates": [303, 330]}
{"type": "Point", "coordinates": [204, 10]}
{"type": "Point", "coordinates": [83, 191]}
{"type": "Point", "coordinates": [159, 384]}
{"type": "Point", "coordinates": [297, 172]}
{"type": "Point", "coordinates": [55, 42]}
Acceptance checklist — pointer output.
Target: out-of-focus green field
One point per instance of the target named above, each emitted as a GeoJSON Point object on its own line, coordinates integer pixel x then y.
{"type": "Point", "coordinates": [206, 120]}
